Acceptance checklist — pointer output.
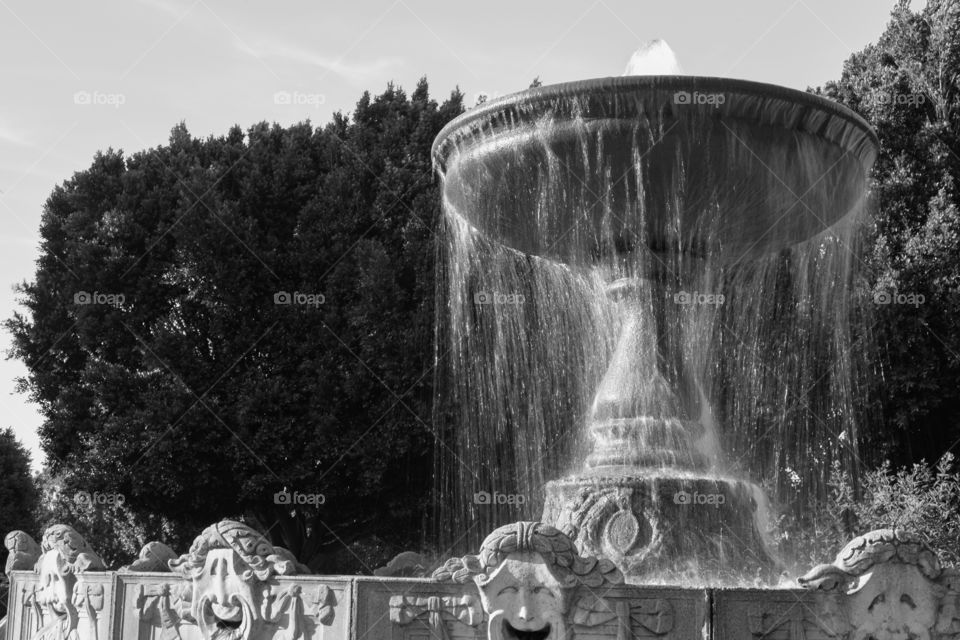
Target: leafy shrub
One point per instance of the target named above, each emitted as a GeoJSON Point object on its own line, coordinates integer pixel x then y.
{"type": "Point", "coordinates": [923, 499]}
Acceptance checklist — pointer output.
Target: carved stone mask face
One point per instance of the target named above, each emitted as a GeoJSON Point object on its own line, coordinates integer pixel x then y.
{"type": "Point", "coordinates": [524, 600]}
{"type": "Point", "coordinates": [894, 602]}
{"type": "Point", "coordinates": [225, 605]}
{"type": "Point", "coordinates": [55, 590]}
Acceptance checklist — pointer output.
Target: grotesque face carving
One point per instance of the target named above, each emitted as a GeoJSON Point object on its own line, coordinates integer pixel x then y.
{"type": "Point", "coordinates": [65, 554]}
{"type": "Point", "coordinates": [55, 596]}
{"type": "Point", "coordinates": [894, 601]}
{"type": "Point", "coordinates": [886, 585]}
{"type": "Point", "coordinates": [225, 600]}
{"type": "Point", "coordinates": [526, 573]}
{"type": "Point", "coordinates": [524, 599]}
{"type": "Point", "coordinates": [231, 567]}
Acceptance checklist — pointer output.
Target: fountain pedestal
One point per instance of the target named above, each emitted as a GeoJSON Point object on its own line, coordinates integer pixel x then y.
{"type": "Point", "coordinates": [662, 528]}
{"type": "Point", "coordinates": [650, 498]}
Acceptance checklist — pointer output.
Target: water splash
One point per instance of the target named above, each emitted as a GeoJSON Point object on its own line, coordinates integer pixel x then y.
{"type": "Point", "coordinates": [653, 58]}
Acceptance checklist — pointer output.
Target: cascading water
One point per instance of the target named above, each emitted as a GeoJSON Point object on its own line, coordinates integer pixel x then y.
{"type": "Point", "coordinates": [649, 293]}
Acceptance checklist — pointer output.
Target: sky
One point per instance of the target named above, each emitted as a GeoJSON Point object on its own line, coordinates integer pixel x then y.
{"type": "Point", "coordinates": [76, 78]}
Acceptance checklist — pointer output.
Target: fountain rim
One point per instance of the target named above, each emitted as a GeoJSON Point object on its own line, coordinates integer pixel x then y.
{"type": "Point", "coordinates": [477, 117]}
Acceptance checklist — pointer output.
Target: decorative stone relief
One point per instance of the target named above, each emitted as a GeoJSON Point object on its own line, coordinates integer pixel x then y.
{"type": "Point", "coordinates": [603, 523]}
{"type": "Point", "coordinates": [234, 593]}
{"type": "Point", "coordinates": [886, 585]}
{"type": "Point", "coordinates": [293, 613]}
{"type": "Point", "coordinates": [163, 605]}
{"type": "Point", "coordinates": [436, 612]}
{"type": "Point", "coordinates": [794, 621]}
{"type": "Point", "coordinates": [57, 601]}
{"type": "Point", "coordinates": [634, 618]}
{"type": "Point", "coordinates": [527, 573]}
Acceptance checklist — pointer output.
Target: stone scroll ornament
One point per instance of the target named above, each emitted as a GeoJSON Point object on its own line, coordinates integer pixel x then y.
{"type": "Point", "coordinates": [527, 573]}
{"type": "Point", "coordinates": [232, 569]}
{"type": "Point", "coordinates": [886, 585]}
{"type": "Point", "coordinates": [58, 598]}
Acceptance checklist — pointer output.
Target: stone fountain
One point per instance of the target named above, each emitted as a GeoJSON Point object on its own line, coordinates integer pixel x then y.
{"type": "Point", "coordinates": [659, 183]}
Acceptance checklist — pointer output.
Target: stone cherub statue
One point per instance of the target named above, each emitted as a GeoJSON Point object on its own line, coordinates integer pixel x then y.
{"type": "Point", "coordinates": [526, 573]}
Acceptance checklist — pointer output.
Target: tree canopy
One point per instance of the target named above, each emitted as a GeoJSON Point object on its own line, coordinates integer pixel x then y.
{"type": "Point", "coordinates": [18, 493]}
{"type": "Point", "coordinates": [243, 326]}
{"type": "Point", "coordinates": [906, 86]}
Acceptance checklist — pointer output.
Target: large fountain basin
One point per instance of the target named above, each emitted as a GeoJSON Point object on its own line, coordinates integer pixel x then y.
{"type": "Point", "coordinates": [706, 165]}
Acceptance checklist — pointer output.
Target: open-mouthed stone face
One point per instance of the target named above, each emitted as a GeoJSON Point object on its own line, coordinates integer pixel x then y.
{"type": "Point", "coordinates": [893, 602]}
{"type": "Point", "coordinates": [524, 600]}
{"type": "Point", "coordinates": [225, 604]}
{"type": "Point", "coordinates": [55, 590]}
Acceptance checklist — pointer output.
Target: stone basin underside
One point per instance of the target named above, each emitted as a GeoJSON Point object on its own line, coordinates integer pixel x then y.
{"type": "Point", "coordinates": [577, 170]}
{"type": "Point", "coordinates": [664, 529]}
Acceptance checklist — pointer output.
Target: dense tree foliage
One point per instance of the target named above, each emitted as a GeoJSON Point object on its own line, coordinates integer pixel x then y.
{"type": "Point", "coordinates": [216, 322]}
{"type": "Point", "coordinates": [18, 493]}
{"type": "Point", "coordinates": [906, 86]}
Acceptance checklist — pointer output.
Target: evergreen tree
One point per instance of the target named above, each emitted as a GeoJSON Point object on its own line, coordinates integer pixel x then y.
{"type": "Point", "coordinates": [216, 325]}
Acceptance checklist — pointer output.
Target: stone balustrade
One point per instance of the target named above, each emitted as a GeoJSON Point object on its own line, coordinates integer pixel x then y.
{"type": "Point", "coordinates": [527, 582]}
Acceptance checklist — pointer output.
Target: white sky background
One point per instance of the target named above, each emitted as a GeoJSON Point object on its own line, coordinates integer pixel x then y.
{"type": "Point", "coordinates": [214, 64]}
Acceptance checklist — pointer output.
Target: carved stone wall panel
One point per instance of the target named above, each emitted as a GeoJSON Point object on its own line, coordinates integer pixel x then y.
{"type": "Point", "coordinates": [319, 607]}
{"type": "Point", "coordinates": [93, 598]}
{"type": "Point", "coordinates": [773, 614]}
{"type": "Point", "coordinates": [417, 609]}
{"type": "Point", "coordinates": [22, 616]}
{"type": "Point", "coordinates": [630, 612]}
{"type": "Point", "coordinates": [156, 606]}
{"type": "Point", "coordinates": [150, 607]}
{"type": "Point", "coordinates": [88, 615]}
